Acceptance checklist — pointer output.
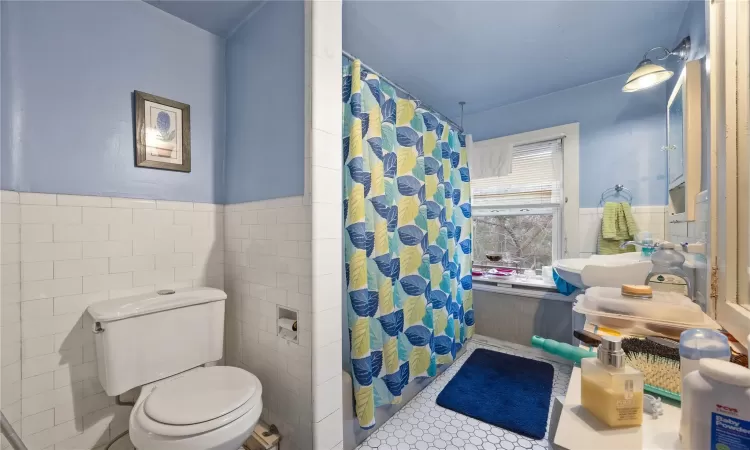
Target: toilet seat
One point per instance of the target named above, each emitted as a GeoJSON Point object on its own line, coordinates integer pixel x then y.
{"type": "Point", "coordinates": [199, 401]}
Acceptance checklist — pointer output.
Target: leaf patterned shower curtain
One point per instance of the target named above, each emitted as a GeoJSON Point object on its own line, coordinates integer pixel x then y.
{"type": "Point", "coordinates": [407, 214]}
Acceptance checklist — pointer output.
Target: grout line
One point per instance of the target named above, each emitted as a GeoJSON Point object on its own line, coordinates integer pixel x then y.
{"type": "Point", "coordinates": [329, 415]}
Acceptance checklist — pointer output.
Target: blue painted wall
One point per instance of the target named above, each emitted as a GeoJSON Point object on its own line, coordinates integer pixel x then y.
{"type": "Point", "coordinates": [265, 105]}
{"type": "Point", "coordinates": [68, 73]}
{"type": "Point", "coordinates": [620, 135]}
{"type": "Point", "coordinates": [2, 75]}
{"type": "Point", "coordinates": [694, 25]}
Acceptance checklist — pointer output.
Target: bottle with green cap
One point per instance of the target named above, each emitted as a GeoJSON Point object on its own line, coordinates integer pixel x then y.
{"type": "Point", "coordinates": [561, 349]}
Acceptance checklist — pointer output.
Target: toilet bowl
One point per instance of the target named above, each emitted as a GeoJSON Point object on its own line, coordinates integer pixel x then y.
{"type": "Point", "coordinates": [213, 408]}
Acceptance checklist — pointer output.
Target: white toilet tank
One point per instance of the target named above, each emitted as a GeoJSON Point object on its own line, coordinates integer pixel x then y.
{"type": "Point", "coordinates": [148, 337]}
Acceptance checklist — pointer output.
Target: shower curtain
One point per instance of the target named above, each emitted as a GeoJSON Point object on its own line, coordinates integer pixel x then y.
{"type": "Point", "coordinates": [407, 215]}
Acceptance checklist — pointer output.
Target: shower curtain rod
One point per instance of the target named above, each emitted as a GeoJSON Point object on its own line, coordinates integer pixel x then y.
{"type": "Point", "coordinates": [422, 104]}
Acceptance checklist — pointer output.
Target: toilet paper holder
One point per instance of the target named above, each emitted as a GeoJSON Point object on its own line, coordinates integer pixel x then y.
{"type": "Point", "coordinates": [286, 324]}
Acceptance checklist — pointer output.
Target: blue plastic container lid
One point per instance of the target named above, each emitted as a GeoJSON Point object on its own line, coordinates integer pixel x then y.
{"type": "Point", "coordinates": [700, 343]}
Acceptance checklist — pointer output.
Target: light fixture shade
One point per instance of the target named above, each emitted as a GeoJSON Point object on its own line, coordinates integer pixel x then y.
{"type": "Point", "coordinates": [646, 75]}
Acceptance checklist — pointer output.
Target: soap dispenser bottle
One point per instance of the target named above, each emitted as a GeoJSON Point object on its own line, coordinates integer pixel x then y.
{"type": "Point", "coordinates": [610, 390]}
{"type": "Point", "coordinates": [667, 274]}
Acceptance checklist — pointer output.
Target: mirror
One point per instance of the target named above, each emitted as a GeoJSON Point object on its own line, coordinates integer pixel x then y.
{"type": "Point", "coordinates": [684, 145]}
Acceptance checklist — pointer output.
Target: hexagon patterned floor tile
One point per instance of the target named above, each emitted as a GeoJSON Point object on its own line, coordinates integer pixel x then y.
{"type": "Point", "coordinates": [423, 425]}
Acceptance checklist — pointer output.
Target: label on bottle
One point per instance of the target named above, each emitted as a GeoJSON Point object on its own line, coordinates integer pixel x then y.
{"type": "Point", "coordinates": [729, 433]}
{"type": "Point", "coordinates": [668, 283]}
{"type": "Point", "coordinates": [627, 410]}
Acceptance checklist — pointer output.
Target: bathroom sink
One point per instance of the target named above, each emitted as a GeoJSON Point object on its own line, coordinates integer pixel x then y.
{"type": "Point", "coordinates": [604, 270]}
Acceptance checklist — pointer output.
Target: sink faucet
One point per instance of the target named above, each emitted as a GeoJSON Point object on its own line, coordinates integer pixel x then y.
{"type": "Point", "coordinates": [625, 244]}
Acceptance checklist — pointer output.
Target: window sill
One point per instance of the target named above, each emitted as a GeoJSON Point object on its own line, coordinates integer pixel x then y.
{"type": "Point", "coordinates": [512, 288]}
{"type": "Point", "coordinates": [537, 283]}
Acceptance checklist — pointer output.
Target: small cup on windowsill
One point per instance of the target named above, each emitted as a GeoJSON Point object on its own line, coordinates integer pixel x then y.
{"type": "Point", "coordinates": [494, 256]}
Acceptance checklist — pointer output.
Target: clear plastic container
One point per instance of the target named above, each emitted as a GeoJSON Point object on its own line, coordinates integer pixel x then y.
{"type": "Point", "coordinates": [700, 343]}
{"type": "Point", "coordinates": [641, 326]}
{"type": "Point", "coordinates": [667, 258]}
{"type": "Point", "coordinates": [663, 306]}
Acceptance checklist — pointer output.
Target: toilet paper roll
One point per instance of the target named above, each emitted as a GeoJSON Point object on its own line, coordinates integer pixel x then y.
{"type": "Point", "coordinates": [288, 334]}
{"type": "Point", "coordinates": [288, 324]}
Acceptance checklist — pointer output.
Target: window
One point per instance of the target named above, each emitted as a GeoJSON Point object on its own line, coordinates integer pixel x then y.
{"type": "Point", "coordinates": [518, 215]}
{"type": "Point", "coordinates": [521, 238]}
{"type": "Point", "coordinates": [535, 178]}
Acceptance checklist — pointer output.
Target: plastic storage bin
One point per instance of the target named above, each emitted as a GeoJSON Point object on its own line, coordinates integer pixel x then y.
{"type": "Point", "coordinates": [669, 306]}
{"type": "Point", "coordinates": [699, 343]}
{"type": "Point", "coordinates": [667, 314]}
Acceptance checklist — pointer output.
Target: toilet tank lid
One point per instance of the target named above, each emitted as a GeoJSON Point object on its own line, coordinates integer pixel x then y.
{"type": "Point", "coordinates": [139, 305]}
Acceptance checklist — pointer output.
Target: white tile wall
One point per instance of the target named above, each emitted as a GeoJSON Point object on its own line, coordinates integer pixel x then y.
{"type": "Point", "coordinates": [692, 231]}
{"type": "Point", "coordinates": [648, 218]}
{"type": "Point", "coordinates": [61, 253]}
{"type": "Point", "coordinates": [10, 325]}
{"type": "Point", "coordinates": [262, 271]}
{"type": "Point", "coordinates": [323, 73]}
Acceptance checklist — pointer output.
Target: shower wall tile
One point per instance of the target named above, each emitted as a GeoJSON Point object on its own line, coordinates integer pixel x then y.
{"type": "Point", "coordinates": [264, 270]}
{"type": "Point", "coordinates": [62, 253]}
{"type": "Point", "coordinates": [330, 153]}
{"type": "Point", "coordinates": [326, 86]}
{"type": "Point", "coordinates": [325, 158]}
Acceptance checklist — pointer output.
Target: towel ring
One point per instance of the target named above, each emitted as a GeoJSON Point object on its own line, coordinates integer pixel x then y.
{"type": "Point", "coordinates": [617, 190]}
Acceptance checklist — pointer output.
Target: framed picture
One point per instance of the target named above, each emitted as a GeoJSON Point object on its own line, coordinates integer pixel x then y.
{"type": "Point", "coordinates": [162, 133]}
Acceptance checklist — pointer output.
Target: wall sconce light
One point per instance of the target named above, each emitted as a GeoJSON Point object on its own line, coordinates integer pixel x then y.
{"type": "Point", "coordinates": [648, 74]}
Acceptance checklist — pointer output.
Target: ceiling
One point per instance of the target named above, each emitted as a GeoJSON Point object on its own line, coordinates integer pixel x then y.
{"type": "Point", "coordinates": [219, 17]}
{"type": "Point", "coordinates": [492, 53]}
{"type": "Point", "coordinates": [487, 53]}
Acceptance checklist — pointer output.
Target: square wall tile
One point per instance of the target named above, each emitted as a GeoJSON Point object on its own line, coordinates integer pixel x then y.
{"type": "Point", "coordinates": [326, 150]}
{"type": "Point", "coordinates": [327, 256]}
{"type": "Point", "coordinates": [327, 398]}
{"type": "Point", "coordinates": [326, 186]}
{"type": "Point", "coordinates": [83, 200]}
{"type": "Point", "coordinates": [327, 220]}
{"type": "Point", "coordinates": [326, 30]}
{"type": "Point", "coordinates": [326, 326]}
{"type": "Point", "coordinates": [329, 432]}
{"type": "Point", "coordinates": [50, 214]}
{"type": "Point", "coordinates": [326, 362]}
{"type": "Point", "coordinates": [326, 88]}
{"type": "Point", "coordinates": [33, 198]}
{"type": "Point", "coordinates": [35, 271]}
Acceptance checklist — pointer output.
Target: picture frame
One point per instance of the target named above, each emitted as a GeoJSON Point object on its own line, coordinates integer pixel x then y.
{"type": "Point", "coordinates": [162, 133]}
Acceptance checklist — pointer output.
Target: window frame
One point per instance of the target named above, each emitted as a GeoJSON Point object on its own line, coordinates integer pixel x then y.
{"type": "Point", "coordinates": [557, 225]}
{"type": "Point", "coordinates": [569, 232]}
{"type": "Point", "coordinates": [729, 245]}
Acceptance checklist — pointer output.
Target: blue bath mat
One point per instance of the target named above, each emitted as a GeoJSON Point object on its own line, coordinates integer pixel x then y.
{"type": "Point", "coordinates": [507, 391]}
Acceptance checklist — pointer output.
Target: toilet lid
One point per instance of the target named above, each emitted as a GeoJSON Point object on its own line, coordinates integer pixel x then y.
{"type": "Point", "coordinates": [201, 395]}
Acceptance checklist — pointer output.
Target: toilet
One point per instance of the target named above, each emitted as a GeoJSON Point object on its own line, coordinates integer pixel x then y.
{"type": "Point", "coordinates": [162, 342]}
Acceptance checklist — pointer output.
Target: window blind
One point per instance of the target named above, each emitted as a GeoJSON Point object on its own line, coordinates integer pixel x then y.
{"type": "Point", "coordinates": [535, 178]}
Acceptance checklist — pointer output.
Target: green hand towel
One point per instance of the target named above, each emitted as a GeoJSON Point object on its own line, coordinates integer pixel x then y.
{"type": "Point", "coordinates": [609, 246]}
{"type": "Point", "coordinates": [609, 221]}
{"type": "Point", "coordinates": [618, 226]}
{"type": "Point", "coordinates": [621, 226]}
{"type": "Point", "coordinates": [629, 220]}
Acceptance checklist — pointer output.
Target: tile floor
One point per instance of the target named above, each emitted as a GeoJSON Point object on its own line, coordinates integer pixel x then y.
{"type": "Point", "coordinates": [423, 425]}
